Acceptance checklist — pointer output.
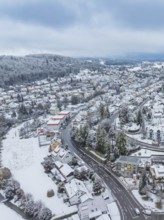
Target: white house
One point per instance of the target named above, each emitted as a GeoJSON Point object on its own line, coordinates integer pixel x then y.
{"type": "Point", "coordinates": [66, 170]}
{"type": "Point", "coordinates": [157, 171]}
{"type": "Point", "coordinates": [77, 192]}
{"type": "Point", "coordinates": [53, 124]}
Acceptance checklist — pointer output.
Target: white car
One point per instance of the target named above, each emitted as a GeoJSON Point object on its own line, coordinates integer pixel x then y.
{"type": "Point", "coordinates": [147, 211]}
{"type": "Point", "coordinates": [137, 211]}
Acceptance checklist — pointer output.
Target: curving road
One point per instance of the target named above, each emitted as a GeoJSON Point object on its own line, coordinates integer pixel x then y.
{"type": "Point", "coordinates": [126, 201]}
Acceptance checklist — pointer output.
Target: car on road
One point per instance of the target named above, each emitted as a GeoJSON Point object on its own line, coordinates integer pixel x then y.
{"type": "Point", "coordinates": [137, 211]}
{"type": "Point", "coordinates": [147, 211]}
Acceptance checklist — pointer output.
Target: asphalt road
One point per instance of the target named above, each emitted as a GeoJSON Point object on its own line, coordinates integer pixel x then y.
{"type": "Point", "coordinates": [125, 199]}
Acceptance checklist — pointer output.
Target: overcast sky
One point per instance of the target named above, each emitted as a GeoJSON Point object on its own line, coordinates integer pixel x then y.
{"type": "Point", "coordinates": [81, 27]}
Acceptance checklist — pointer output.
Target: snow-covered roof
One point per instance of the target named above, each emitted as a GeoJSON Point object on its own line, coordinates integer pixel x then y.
{"type": "Point", "coordinates": [113, 211]}
{"type": "Point", "coordinates": [94, 214]}
{"type": "Point", "coordinates": [58, 164]}
{"type": "Point", "coordinates": [86, 197]}
{"type": "Point", "coordinates": [66, 170]}
{"type": "Point", "coordinates": [53, 122]}
{"type": "Point", "coordinates": [75, 217]}
{"type": "Point", "coordinates": [74, 186]}
{"type": "Point", "coordinates": [64, 113]}
{"type": "Point", "coordinates": [62, 152]}
{"type": "Point", "coordinates": [128, 159]}
{"type": "Point", "coordinates": [158, 170]}
{"type": "Point", "coordinates": [58, 117]}
{"type": "Point", "coordinates": [104, 217]}
{"type": "Point", "coordinates": [57, 150]}
{"type": "Point", "coordinates": [82, 168]}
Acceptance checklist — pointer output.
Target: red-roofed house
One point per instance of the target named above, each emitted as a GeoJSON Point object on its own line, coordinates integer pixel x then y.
{"type": "Point", "coordinates": [53, 124]}
{"type": "Point", "coordinates": [67, 114]}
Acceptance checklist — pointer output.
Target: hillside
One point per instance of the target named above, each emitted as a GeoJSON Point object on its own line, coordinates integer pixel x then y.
{"type": "Point", "coordinates": [35, 67]}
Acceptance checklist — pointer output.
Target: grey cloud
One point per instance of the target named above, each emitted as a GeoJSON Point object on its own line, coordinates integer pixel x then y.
{"type": "Point", "coordinates": [135, 14]}
{"type": "Point", "coordinates": [47, 13]}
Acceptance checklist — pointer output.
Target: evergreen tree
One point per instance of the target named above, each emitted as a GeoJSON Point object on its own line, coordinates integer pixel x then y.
{"type": "Point", "coordinates": [75, 100]}
{"type": "Point", "coordinates": [101, 140]}
{"type": "Point", "coordinates": [83, 133]}
{"type": "Point", "coordinates": [22, 109]}
{"type": "Point", "coordinates": [48, 165]}
{"type": "Point", "coordinates": [102, 111]}
{"type": "Point", "coordinates": [65, 101]}
{"type": "Point", "coordinates": [59, 105]}
{"type": "Point", "coordinates": [121, 143]}
{"type": "Point", "coordinates": [13, 115]}
{"type": "Point", "coordinates": [139, 118]}
{"type": "Point", "coordinates": [107, 112]}
{"type": "Point", "coordinates": [9, 193]}
{"type": "Point", "coordinates": [124, 115]}
{"type": "Point", "coordinates": [142, 182]}
{"type": "Point", "coordinates": [97, 186]}
{"type": "Point", "coordinates": [88, 140]}
{"type": "Point", "coordinates": [29, 208]}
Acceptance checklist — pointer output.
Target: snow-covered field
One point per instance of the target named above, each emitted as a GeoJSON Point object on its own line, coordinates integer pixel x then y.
{"type": "Point", "coordinates": [24, 157]}
{"type": "Point", "coordinates": [7, 214]}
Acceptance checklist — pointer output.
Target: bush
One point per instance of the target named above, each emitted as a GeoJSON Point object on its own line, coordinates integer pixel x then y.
{"type": "Point", "coordinates": [48, 165]}
{"type": "Point", "coordinates": [50, 193]}
{"type": "Point", "coordinates": [45, 214]}
{"type": "Point", "coordinates": [159, 205]}
{"type": "Point", "coordinates": [145, 198]}
{"type": "Point", "coordinates": [29, 208]}
{"type": "Point", "coordinates": [5, 173]}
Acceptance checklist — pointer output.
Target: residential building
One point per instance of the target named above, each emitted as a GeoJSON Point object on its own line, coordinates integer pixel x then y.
{"type": "Point", "coordinates": [127, 165]}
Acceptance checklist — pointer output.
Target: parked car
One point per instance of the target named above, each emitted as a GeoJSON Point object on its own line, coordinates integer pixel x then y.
{"type": "Point", "coordinates": [137, 211]}
{"type": "Point", "coordinates": [147, 211]}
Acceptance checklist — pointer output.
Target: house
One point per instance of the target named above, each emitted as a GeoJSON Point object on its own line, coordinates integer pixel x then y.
{"type": "Point", "coordinates": [62, 171]}
{"type": "Point", "coordinates": [67, 114]}
{"type": "Point", "coordinates": [59, 118]}
{"type": "Point", "coordinates": [53, 124]}
{"type": "Point", "coordinates": [55, 144]}
{"type": "Point", "coordinates": [66, 170]}
{"type": "Point", "coordinates": [57, 175]}
{"type": "Point", "coordinates": [93, 215]}
{"type": "Point", "coordinates": [127, 165]}
{"type": "Point", "coordinates": [92, 209]}
{"type": "Point", "coordinates": [157, 171]}
{"type": "Point", "coordinates": [62, 155]}
{"type": "Point", "coordinates": [77, 192]}
{"type": "Point", "coordinates": [54, 110]}
{"type": "Point", "coordinates": [76, 108]}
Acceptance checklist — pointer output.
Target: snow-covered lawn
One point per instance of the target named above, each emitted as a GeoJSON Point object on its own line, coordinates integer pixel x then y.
{"type": "Point", "coordinates": [147, 153]}
{"type": "Point", "coordinates": [133, 127]}
{"type": "Point", "coordinates": [97, 155]}
{"type": "Point", "coordinates": [24, 157]}
{"type": "Point", "coordinates": [139, 138]}
{"type": "Point", "coordinates": [7, 214]}
{"type": "Point", "coordinates": [147, 204]}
